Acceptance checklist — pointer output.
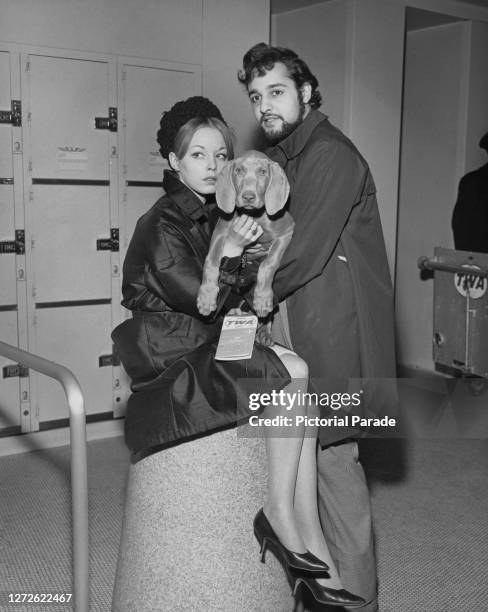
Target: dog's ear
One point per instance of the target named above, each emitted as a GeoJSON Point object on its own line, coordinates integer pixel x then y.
{"type": "Point", "coordinates": [225, 192]}
{"type": "Point", "coordinates": [277, 190]}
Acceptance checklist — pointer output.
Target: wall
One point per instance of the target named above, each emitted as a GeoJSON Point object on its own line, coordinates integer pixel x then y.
{"type": "Point", "coordinates": [477, 108]}
{"type": "Point", "coordinates": [147, 28]}
{"type": "Point", "coordinates": [375, 48]}
{"type": "Point", "coordinates": [433, 103]}
{"type": "Point", "coordinates": [318, 34]}
{"type": "Point", "coordinates": [227, 35]}
{"type": "Point", "coordinates": [355, 48]}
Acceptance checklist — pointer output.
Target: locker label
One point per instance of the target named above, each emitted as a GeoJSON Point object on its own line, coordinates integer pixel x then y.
{"type": "Point", "coordinates": [72, 158]}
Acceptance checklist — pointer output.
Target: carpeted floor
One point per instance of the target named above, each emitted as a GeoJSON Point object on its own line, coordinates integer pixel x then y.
{"type": "Point", "coordinates": [430, 504]}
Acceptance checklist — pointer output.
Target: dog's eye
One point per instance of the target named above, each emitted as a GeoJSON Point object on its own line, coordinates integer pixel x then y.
{"type": "Point", "coordinates": [262, 171]}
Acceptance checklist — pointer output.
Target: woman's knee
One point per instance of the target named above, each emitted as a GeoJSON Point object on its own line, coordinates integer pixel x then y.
{"type": "Point", "coordinates": [296, 366]}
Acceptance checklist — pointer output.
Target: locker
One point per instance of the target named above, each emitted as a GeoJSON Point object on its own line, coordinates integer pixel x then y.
{"type": "Point", "coordinates": [5, 128]}
{"type": "Point", "coordinates": [65, 95]}
{"type": "Point", "coordinates": [74, 179]}
{"type": "Point", "coordinates": [66, 223]}
{"type": "Point", "coordinates": [81, 335]}
{"type": "Point", "coordinates": [71, 142]}
{"type": "Point", "coordinates": [7, 218]}
{"type": "Point", "coordinates": [8, 292]}
{"type": "Point", "coordinates": [14, 381]}
{"type": "Point", "coordinates": [10, 386]}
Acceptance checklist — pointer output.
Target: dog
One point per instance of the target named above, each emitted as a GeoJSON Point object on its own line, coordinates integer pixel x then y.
{"type": "Point", "coordinates": [257, 186]}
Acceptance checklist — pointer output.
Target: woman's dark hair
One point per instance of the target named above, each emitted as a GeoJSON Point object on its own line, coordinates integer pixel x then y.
{"type": "Point", "coordinates": [262, 57]}
{"type": "Point", "coordinates": [184, 111]}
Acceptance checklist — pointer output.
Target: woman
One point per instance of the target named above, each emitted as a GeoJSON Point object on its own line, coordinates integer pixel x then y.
{"type": "Point", "coordinates": [180, 390]}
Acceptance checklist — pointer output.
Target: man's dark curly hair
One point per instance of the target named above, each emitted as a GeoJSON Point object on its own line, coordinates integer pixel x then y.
{"type": "Point", "coordinates": [262, 57]}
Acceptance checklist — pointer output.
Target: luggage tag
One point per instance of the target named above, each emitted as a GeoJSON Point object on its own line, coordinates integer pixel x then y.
{"type": "Point", "coordinates": [237, 337]}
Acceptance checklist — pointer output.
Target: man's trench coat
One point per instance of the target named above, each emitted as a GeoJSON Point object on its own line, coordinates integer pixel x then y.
{"type": "Point", "coordinates": [334, 274]}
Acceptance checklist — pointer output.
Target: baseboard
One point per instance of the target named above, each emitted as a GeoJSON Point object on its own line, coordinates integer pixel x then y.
{"type": "Point", "coordinates": [41, 440]}
{"type": "Point", "coordinates": [411, 371]}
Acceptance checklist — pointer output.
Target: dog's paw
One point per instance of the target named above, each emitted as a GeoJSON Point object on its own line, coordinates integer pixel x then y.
{"type": "Point", "coordinates": [263, 303]}
{"type": "Point", "coordinates": [207, 300]}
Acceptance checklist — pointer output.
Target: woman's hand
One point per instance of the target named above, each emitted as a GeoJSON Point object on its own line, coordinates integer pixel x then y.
{"type": "Point", "coordinates": [243, 231]}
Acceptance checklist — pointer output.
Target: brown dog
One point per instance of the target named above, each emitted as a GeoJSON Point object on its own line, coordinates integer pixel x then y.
{"type": "Point", "coordinates": [258, 186]}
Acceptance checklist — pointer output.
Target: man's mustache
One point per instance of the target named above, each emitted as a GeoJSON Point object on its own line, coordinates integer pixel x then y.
{"type": "Point", "coordinates": [265, 117]}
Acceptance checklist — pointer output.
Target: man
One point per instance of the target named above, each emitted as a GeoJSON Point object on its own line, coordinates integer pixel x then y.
{"type": "Point", "coordinates": [336, 282]}
{"type": "Point", "coordinates": [470, 216]}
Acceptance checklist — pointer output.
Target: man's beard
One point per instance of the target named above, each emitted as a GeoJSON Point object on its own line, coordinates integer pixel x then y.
{"type": "Point", "coordinates": [286, 128]}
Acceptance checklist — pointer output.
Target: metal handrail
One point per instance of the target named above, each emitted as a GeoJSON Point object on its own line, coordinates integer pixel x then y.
{"type": "Point", "coordinates": [424, 263]}
{"type": "Point", "coordinates": [79, 477]}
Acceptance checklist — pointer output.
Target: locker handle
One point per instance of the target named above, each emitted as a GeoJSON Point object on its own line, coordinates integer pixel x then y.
{"type": "Point", "coordinates": [109, 244]}
{"type": "Point", "coordinates": [107, 123]}
{"type": "Point", "coordinates": [13, 371]}
{"type": "Point", "coordinates": [16, 246]}
{"type": "Point", "coordinates": [109, 360]}
{"type": "Point", "coordinates": [13, 116]}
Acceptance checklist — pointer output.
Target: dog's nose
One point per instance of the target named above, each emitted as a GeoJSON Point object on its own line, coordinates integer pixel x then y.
{"type": "Point", "coordinates": [248, 196]}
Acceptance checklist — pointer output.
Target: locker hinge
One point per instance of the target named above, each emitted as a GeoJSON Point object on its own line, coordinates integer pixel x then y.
{"type": "Point", "coordinates": [107, 123]}
{"type": "Point", "coordinates": [11, 371]}
{"type": "Point", "coordinates": [16, 246]}
{"type": "Point", "coordinates": [109, 244]}
{"type": "Point", "coordinates": [109, 360]}
{"type": "Point", "coordinates": [13, 116]}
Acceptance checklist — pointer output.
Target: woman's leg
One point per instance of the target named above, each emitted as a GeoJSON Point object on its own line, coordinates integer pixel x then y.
{"type": "Point", "coordinates": [306, 508]}
{"type": "Point", "coordinates": [283, 449]}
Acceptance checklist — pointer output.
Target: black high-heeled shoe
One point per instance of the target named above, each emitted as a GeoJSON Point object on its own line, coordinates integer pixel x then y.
{"type": "Point", "coordinates": [267, 538]}
{"type": "Point", "coordinates": [322, 594]}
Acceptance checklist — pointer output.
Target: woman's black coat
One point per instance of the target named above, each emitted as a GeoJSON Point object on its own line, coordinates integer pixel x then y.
{"type": "Point", "coordinates": [167, 347]}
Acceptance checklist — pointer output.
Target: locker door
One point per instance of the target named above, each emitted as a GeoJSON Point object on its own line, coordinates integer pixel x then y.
{"type": "Point", "coordinates": [69, 225]}
{"type": "Point", "coordinates": [11, 385]}
{"type": "Point", "coordinates": [8, 294]}
{"type": "Point", "coordinates": [82, 335]}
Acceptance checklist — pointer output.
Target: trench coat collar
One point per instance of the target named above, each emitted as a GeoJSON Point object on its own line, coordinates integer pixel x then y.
{"type": "Point", "coordinates": [184, 197]}
{"type": "Point", "coordinates": [294, 144]}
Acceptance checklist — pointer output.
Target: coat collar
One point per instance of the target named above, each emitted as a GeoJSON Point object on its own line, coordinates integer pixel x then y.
{"type": "Point", "coordinates": [294, 144]}
{"type": "Point", "coordinates": [184, 197]}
